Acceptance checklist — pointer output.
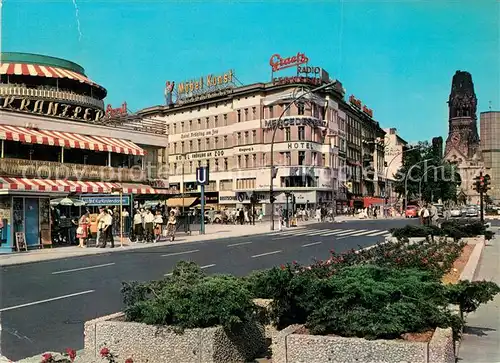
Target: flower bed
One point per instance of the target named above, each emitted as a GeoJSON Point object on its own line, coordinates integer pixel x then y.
{"type": "Point", "coordinates": [453, 276]}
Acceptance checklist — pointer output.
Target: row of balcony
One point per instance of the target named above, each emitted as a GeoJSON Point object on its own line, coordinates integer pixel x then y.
{"type": "Point", "coordinates": [58, 96]}
{"type": "Point", "coordinates": [54, 170]}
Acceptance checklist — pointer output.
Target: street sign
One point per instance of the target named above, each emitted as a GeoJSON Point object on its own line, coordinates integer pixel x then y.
{"type": "Point", "coordinates": [107, 200]}
{"type": "Point", "coordinates": [202, 175]}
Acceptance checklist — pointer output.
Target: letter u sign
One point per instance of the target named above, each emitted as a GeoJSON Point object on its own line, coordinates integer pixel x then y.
{"type": "Point", "coordinates": [202, 177]}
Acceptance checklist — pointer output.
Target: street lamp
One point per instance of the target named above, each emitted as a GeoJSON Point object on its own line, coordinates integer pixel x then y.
{"type": "Point", "coordinates": [409, 174]}
{"type": "Point", "coordinates": [276, 126]}
{"type": "Point", "coordinates": [120, 193]}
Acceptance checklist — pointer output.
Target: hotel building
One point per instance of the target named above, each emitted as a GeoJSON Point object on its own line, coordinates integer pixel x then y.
{"type": "Point", "coordinates": [490, 149]}
{"type": "Point", "coordinates": [56, 141]}
{"type": "Point", "coordinates": [320, 148]}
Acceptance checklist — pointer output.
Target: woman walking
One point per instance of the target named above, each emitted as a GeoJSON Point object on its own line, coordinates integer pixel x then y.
{"type": "Point", "coordinates": [158, 221]}
{"type": "Point", "coordinates": [171, 225]}
{"type": "Point", "coordinates": [82, 232]}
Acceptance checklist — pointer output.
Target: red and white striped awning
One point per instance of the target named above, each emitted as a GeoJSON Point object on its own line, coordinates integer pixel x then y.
{"type": "Point", "coordinates": [69, 139]}
{"type": "Point", "coordinates": [38, 70]}
{"type": "Point", "coordinates": [54, 186]}
{"type": "Point", "coordinates": [143, 189]}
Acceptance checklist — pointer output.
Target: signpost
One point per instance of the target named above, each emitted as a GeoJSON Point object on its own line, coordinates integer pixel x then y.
{"type": "Point", "coordinates": [202, 179]}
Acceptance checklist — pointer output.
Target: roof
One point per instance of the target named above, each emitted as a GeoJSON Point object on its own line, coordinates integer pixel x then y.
{"type": "Point", "coordinates": [31, 58]}
{"type": "Point", "coordinates": [69, 139]}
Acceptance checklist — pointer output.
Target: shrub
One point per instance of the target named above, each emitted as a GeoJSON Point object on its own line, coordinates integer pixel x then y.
{"type": "Point", "coordinates": [415, 231]}
{"type": "Point", "coordinates": [470, 295]}
{"type": "Point", "coordinates": [189, 299]}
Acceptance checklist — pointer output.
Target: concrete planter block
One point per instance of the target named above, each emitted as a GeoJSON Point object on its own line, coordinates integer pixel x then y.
{"type": "Point", "coordinates": [154, 344]}
{"type": "Point", "coordinates": [299, 348]}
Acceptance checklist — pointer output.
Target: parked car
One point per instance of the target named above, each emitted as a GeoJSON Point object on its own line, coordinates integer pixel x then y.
{"type": "Point", "coordinates": [472, 212]}
{"type": "Point", "coordinates": [217, 217]}
{"type": "Point", "coordinates": [455, 213]}
{"type": "Point", "coordinates": [411, 211]}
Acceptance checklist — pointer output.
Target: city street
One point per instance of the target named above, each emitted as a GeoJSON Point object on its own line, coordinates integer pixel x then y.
{"type": "Point", "coordinates": [45, 304]}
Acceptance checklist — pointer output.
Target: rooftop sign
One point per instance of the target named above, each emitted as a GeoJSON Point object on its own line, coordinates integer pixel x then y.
{"type": "Point", "coordinates": [278, 63]}
{"type": "Point", "coordinates": [205, 85]}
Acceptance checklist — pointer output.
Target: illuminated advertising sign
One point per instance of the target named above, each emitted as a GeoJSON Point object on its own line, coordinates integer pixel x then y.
{"type": "Point", "coordinates": [293, 121]}
{"type": "Point", "coordinates": [354, 101]}
{"type": "Point", "coordinates": [116, 112]}
{"type": "Point", "coordinates": [277, 62]}
{"type": "Point", "coordinates": [205, 85]}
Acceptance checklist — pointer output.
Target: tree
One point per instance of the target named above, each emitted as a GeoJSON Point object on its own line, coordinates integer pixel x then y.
{"type": "Point", "coordinates": [430, 175]}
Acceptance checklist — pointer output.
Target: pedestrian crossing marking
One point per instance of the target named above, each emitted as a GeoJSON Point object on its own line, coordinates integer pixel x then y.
{"type": "Point", "coordinates": [340, 233]}
{"type": "Point", "coordinates": [377, 234]}
{"type": "Point", "coordinates": [365, 232]}
{"type": "Point", "coordinates": [324, 231]}
{"type": "Point", "coordinates": [350, 232]}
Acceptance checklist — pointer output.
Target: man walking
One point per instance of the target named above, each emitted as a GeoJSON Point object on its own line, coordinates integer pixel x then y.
{"type": "Point", "coordinates": [107, 230]}
{"type": "Point", "coordinates": [149, 219]}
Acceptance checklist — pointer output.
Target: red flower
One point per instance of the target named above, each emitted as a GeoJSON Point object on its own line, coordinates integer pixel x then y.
{"type": "Point", "coordinates": [294, 262]}
{"type": "Point", "coordinates": [424, 260]}
{"type": "Point", "coordinates": [282, 267]}
{"type": "Point", "coordinates": [129, 360]}
{"type": "Point", "coordinates": [104, 352]}
{"type": "Point", "coordinates": [71, 354]}
{"type": "Point", "coordinates": [46, 357]}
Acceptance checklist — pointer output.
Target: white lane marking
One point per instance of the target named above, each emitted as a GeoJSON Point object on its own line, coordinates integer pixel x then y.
{"type": "Point", "coordinates": [202, 267]}
{"type": "Point", "coordinates": [376, 234]}
{"type": "Point", "coordinates": [322, 231]}
{"type": "Point", "coordinates": [338, 232]}
{"type": "Point", "coordinates": [239, 244]}
{"type": "Point", "coordinates": [46, 300]}
{"type": "Point", "coordinates": [83, 268]}
{"type": "Point", "coordinates": [180, 253]}
{"type": "Point", "coordinates": [312, 244]}
{"type": "Point", "coordinates": [351, 232]}
{"type": "Point", "coordinates": [266, 254]}
{"type": "Point", "coordinates": [366, 232]}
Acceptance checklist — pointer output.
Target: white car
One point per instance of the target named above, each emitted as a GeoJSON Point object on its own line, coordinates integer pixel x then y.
{"type": "Point", "coordinates": [455, 212]}
{"type": "Point", "coordinates": [472, 212]}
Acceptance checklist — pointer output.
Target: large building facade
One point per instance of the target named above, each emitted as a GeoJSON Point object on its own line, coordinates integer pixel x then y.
{"type": "Point", "coordinates": [462, 144]}
{"type": "Point", "coordinates": [55, 141]}
{"type": "Point", "coordinates": [318, 147]}
{"type": "Point", "coordinates": [490, 149]}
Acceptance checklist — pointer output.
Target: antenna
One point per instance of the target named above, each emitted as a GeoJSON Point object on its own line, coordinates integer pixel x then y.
{"type": "Point", "coordinates": [489, 102]}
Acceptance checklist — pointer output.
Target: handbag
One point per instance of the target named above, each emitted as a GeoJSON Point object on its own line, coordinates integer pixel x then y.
{"type": "Point", "coordinates": [79, 230]}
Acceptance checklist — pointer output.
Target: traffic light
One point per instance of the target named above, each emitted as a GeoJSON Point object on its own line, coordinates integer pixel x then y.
{"type": "Point", "coordinates": [272, 198]}
{"type": "Point", "coordinates": [293, 199]}
{"type": "Point", "coordinates": [482, 183]}
{"type": "Point", "coordinates": [253, 198]}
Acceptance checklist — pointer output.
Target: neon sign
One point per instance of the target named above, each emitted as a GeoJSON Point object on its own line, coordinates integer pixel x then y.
{"type": "Point", "coordinates": [354, 101]}
{"type": "Point", "coordinates": [113, 112]}
{"type": "Point", "coordinates": [278, 63]}
{"type": "Point", "coordinates": [368, 111]}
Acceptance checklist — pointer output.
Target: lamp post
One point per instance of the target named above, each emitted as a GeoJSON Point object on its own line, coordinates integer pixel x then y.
{"type": "Point", "coordinates": [409, 174]}
{"type": "Point", "coordinates": [275, 128]}
{"type": "Point", "coordinates": [120, 193]}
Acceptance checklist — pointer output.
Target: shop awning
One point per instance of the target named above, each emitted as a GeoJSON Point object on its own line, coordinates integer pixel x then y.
{"type": "Point", "coordinates": [55, 186]}
{"type": "Point", "coordinates": [69, 139]}
{"type": "Point", "coordinates": [38, 70]}
{"type": "Point", "coordinates": [143, 189]}
{"type": "Point", "coordinates": [181, 202]}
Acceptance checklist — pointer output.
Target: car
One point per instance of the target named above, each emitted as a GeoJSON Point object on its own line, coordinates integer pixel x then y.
{"type": "Point", "coordinates": [411, 211]}
{"type": "Point", "coordinates": [216, 219]}
{"type": "Point", "coordinates": [455, 213]}
{"type": "Point", "coordinates": [472, 212]}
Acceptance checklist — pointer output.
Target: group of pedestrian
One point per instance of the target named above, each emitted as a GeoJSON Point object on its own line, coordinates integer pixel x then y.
{"type": "Point", "coordinates": [428, 215]}
{"type": "Point", "coordinates": [148, 227]}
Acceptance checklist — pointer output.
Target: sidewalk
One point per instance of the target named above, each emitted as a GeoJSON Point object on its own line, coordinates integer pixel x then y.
{"type": "Point", "coordinates": [481, 339]}
{"type": "Point", "coordinates": [212, 232]}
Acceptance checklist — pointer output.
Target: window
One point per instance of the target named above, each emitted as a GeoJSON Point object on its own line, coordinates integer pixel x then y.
{"type": "Point", "coordinates": [216, 141]}
{"type": "Point", "coordinates": [225, 141]}
{"type": "Point", "coordinates": [199, 123]}
{"type": "Point", "coordinates": [246, 114]}
{"type": "Point", "coordinates": [216, 164]}
{"type": "Point", "coordinates": [264, 159]}
{"type": "Point", "coordinates": [271, 113]}
{"type": "Point", "coordinates": [225, 119]}
{"type": "Point", "coordinates": [314, 158]}
{"type": "Point", "coordinates": [302, 157]}
{"type": "Point", "coordinates": [239, 116]}
{"type": "Point", "coordinates": [254, 112]}
{"type": "Point", "coordinates": [323, 159]}
{"type": "Point", "coordinates": [302, 133]}
{"type": "Point", "coordinates": [175, 128]}
{"type": "Point", "coordinates": [182, 146]}
{"type": "Point", "coordinates": [287, 134]}
{"type": "Point", "coordinates": [288, 158]}
{"type": "Point", "coordinates": [190, 125]}
{"type": "Point", "coordinates": [238, 140]}
{"type": "Point", "coordinates": [207, 142]}
{"type": "Point", "coordinates": [199, 145]}
{"type": "Point", "coordinates": [175, 148]}
{"type": "Point", "coordinates": [190, 145]}
{"type": "Point", "coordinates": [238, 165]}
{"type": "Point", "coordinates": [190, 166]}
{"type": "Point", "coordinates": [174, 172]}
{"type": "Point", "coordinates": [199, 163]}
{"type": "Point", "coordinates": [182, 126]}
{"type": "Point", "coordinates": [207, 122]}
{"type": "Point", "coordinates": [300, 107]}
{"type": "Point", "coordinates": [254, 160]}
{"type": "Point", "coordinates": [254, 136]}
{"type": "Point", "coordinates": [226, 184]}
{"type": "Point", "coordinates": [168, 129]}
{"type": "Point", "coordinates": [225, 163]}
{"type": "Point", "coordinates": [246, 161]}
{"type": "Point", "coordinates": [246, 137]}
{"type": "Point", "coordinates": [216, 121]}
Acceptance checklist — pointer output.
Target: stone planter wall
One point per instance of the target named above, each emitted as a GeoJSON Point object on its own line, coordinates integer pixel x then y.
{"type": "Point", "coordinates": [147, 343]}
{"type": "Point", "coordinates": [298, 348]}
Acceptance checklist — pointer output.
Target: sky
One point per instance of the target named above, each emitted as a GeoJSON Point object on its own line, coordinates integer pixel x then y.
{"type": "Point", "coordinates": [398, 57]}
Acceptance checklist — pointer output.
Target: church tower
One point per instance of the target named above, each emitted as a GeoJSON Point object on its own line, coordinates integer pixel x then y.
{"type": "Point", "coordinates": [462, 103]}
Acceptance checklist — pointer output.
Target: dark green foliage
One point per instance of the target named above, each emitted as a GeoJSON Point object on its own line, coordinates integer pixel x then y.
{"type": "Point", "coordinates": [189, 299]}
{"type": "Point", "coordinates": [470, 295]}
{"type": "Point", "coordinates": [415, 231]}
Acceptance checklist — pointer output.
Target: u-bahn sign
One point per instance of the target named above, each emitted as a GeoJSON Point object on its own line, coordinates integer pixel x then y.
{"type": "Point", "coordinates": [202, 175]}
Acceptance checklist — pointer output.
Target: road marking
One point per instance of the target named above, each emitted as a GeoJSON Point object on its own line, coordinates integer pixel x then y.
{"type": "Point", "coordinates": [266, 254]}
{"type": "Point", "coordinates": [388, 235]}
{"type": "Point", "coordinates": [338, 232]}
{"type": "Point", "coordinates": [46, 300]}
{"type": "Point", "coordinates": [366, 232]}
{"type": "Point", "coordinates": [83, 268]}
{"type": "Point", "coordinates": [180, 253]}
{"type": "Point", "coordinates": [274, 239]}
{"type": "Point", "coordinates": [202, 267]}
{"type": "Point", "coordinates": [312, 244]}
{"type": "Point", "coordinates": [351, 232]}
{"type": "Point", "coordinates": [239, 244]}
{"type": "Point", "coordinates": [322, 231]}
{"type": "Point", "coordinates": [376, 234]}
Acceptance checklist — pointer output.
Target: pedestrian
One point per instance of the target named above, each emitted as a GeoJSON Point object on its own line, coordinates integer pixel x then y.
{"type": "Point", "coordinates": [107, 230]}
{"type": "Point", "coordinates": [242, 216]}
{"type": "Point", "coordinates": [149, 219]}
{"type": "Point", "coordinates": [83, 229]}
{"type": "Point", "coordinates": [138, 230]}
{"type": "Point", "coordinates": [100, 225]}
{"type": "Point", "coordinates": [171, 225]}
{"type": "Point", "coordinates": [261, 215]}
{"type": "Point", "coordinates": [158, 221]}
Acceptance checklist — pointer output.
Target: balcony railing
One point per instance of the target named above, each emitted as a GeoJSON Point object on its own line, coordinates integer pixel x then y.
{"type": "Point", "coordinates": [53, 170]}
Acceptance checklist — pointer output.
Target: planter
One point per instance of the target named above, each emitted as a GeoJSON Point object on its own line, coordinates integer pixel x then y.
{"type": "Point", "coordinates": [289, 347]}
{"type": "Point", "coordinates": [153, 344]}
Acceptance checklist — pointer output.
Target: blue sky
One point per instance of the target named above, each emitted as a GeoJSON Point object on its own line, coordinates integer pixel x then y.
{"type": "Point", "coordinates": [398, 57]}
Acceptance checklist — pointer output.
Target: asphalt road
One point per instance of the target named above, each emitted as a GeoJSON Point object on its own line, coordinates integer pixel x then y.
{"type": "Point", "coordinates": [45, 304]}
